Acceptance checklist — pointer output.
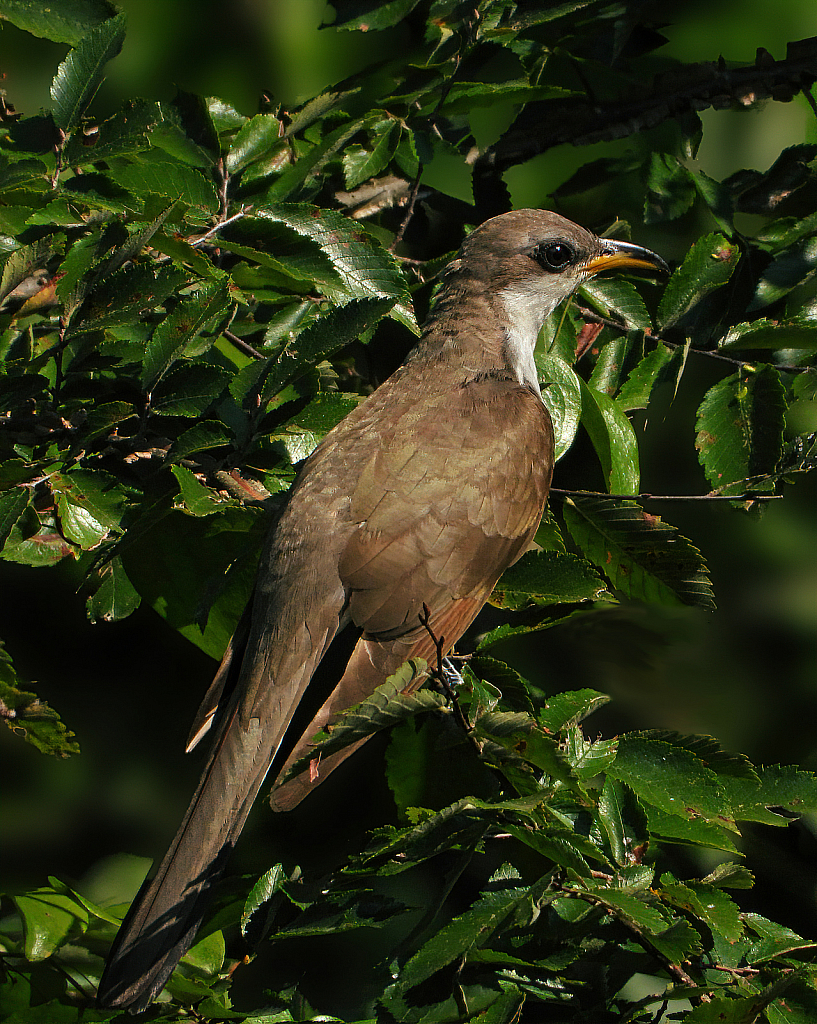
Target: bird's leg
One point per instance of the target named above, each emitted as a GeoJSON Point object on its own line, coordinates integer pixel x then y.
{"type": "Point", "coordinates": [444, 673]}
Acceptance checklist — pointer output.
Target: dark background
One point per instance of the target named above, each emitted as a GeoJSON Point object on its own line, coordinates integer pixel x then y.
{"type": "Point", "coordinates": [745, 673]}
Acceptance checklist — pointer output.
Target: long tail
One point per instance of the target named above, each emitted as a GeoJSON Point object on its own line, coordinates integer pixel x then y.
{"type": "Point", "coordinates": [162, 922]}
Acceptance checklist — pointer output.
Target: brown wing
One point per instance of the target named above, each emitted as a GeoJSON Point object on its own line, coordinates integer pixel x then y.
{"type": "Point", "coordinates": [437, 521]}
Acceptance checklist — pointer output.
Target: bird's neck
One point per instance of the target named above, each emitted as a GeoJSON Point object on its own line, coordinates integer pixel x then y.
{"type": "Point", "coordinates": [482, 331]}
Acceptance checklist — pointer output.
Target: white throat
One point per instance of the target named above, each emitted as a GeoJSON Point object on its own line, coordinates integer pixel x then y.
{"type": "Point", "coordinates": [525, 315]}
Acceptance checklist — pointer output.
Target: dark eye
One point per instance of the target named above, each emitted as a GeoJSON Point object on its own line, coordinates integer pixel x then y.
{"type": "Point", "coordinates": [553, 255]}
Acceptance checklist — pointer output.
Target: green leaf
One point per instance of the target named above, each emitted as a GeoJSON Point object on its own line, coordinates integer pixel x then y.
{"type": "Point", "coordinates": [708, 903]}
{"type": "Point", "coordinates": [773, 939]}
{"type": "Point", "coordinates": [323, 337]}
{"type": "Point", "coordinates": [797, 332]}
{"type": "Point", "coordinates": [642, 556]}
{"type": "Point", "coordinates": [562, 394]}
{"type": "Point", "coordinates": [668, 827]}
{"type": "Point", "coordinates": [359, 164]}
{"type": "Point", "coordinates": [13, 504]}
{"type": "Point", "coordinates": [565, 710]}
{"type": "Point", "coordinates": [254, 140]}
{"type": "Point", "coordinates": [547, 577]}
{"type": "Point", "coordinates": [170, 180]}
{"type": "Point", "coordinates": [67, 22]}
{"type": "Point", "coordinates": [262, 892]}
{"type": "Point", "coordinates": [387, 706]}
{"type": "Point", "coordinates": [115, 597]}
{"type": "Point", "coordinates": [90, 505]}
{"type": "Point", "coordinates": [622, 819]}
{"type": "Point", "coordinates": [364, 267]}
{"type": "Point", "coordinates": [31, 718]}
{"type": "Point", "coordinates": [707, 266]}
{"type": "Point", "coordinates": [777, 786]}
{"type": "Point", "coordinates": [192, 315]}
{"type": "Point", "coordinates": [49, 920]}
{"type": "Point", "coordinates": [372, 17]}
{"type": "Point", "coordinates": [614, 440]}
{"type": "Point", "coordinates": [80, 74]}
{"type": "Point", "coordinates": [617, 300]}
{"type": "Point", "coordinates": [470, 930]}
{"type": "Point", "coordinates": [670, 189]}
{"type": "Point", "coordinates": [740, 429]}
{"type": "Point", "coordinates": [203, 435]}
{"type": "Point", "coordinates": [660, 367]}
{"type": "Point", "coordinates": [125, 134]}
{"type": "Point", "coordinates": [196, 498]}
{"type": "Point", "coordinates": [671, 778]}
{"type": "Point", "coordinates": [790, 268]}
{"type": "Point", "coordinates": [188, 389]}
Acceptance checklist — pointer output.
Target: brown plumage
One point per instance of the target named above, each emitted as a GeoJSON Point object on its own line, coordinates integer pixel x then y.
{"type": "Point", "coordinates": [423, 495]}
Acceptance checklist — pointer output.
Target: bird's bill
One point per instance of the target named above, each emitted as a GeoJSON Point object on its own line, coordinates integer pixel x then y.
{"type": "Point", "coordinates": [623, 255]}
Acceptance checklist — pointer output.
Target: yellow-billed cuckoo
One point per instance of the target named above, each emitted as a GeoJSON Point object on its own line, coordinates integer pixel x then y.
{"type": "Point", "coordinates": [423, 495]}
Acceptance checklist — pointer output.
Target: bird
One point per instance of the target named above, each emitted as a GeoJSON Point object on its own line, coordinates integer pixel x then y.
{"type": "Point", "coordinates": [410, 509]}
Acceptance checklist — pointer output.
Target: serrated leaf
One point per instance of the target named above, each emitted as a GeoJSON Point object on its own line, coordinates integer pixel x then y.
{"type": "Point", "coordinates": [671, 778]}
{"type": "Point", "coordinates": [365, 268]}
{"type": "Point", "coordinates": [124, 134]}
{"type": "Point", "coordinates": [797, 332]}
{"type": "Point", "coordinates": [562, 394]}
{"type": "Point", "coordinates": [670, 189]}
{"type": "Point", "coordinates": [589, 758]}
{"type": "Point", "coordinates": [204, 435]}
{"type": "Point", "coordinates": [773, 939]}
{"type": "Point", "coordinates": [659, 367]}
{"type": "Point", "coordinates": [387, 706]}
{"type": "Point", "coordinates": [642, 556]}
{"type": "Point", "coordinates": [707, 266]}
{"type": "Point", "coordinates": [777, 786]}
{"type": "Point", "coordinates": [175, 332]}
{"type": "Point", "coordinates": [196, 498]}
{"type": "Point", "coordinates": [253, 140]}
{"type": "Point", "coordinates": [13, 504]}
{"type": "Point", "coordinates": [360, 164]}
{"type": "Point", "coordinates": [115, 598]}
{"type": "Point", "coordinates": [740, 429]}
{"type": "Point", "coordinates": [67, 22]}
{"type": "Point", "coordinates": [31, 718]}
{"type": "Point", "coordinates": [564, 710]}
{"type": "Point", "coordinates": [622, 819]}
{"type": "Point", "coordinates": [613, 439]}
{"type": "Point", "coordinates": [262, 892]}
{"type": "Point", "coordinates": [618, 300]}
{"type": "Point", "coordinates": [188, 388]}
{"type": "Point", "coordinates": [547, 577]}
{"type": "Point", "coordinates": [730, 876]}
{"type": "Point", "coordinates": [668, 827]}
{"type": "Point", "coordinates": [788, 269]}
{"type": "Point", "coordinates": [708, 903]}
{"type": "Point", "coordinates": [80, 74]}
{"type": "Point", "coordinates": [472, 929]}
{"type": "Point", "coordinates": [171, 180]}
{"type": "Point", "coordinates": [371, 18]}
{"type": "Point", "coordinates": [323, 337]}
{"type": "Point", "coordinates": [90, 505]}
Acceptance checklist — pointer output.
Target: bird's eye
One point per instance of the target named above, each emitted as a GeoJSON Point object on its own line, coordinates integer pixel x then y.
{"type": "Point", "coordinates": [553, 256]}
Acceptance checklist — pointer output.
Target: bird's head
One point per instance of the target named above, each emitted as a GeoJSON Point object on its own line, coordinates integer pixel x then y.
{"type": "Point", "coordinates": [537, 258]}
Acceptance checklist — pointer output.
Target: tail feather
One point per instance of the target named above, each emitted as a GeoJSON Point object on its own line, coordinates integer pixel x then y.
{"type": "Point", "coordinates": [168, 910]}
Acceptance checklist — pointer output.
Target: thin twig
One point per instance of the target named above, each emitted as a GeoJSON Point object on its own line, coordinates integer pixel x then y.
{"type": "Point", "coordinates": [647, 496]}
{"type": "Point", "coordinates": [243, 212]}
{"type": "Point", "coordinates": [242, 345]}
{"type": "Point", "coordinates": [616, 325]}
